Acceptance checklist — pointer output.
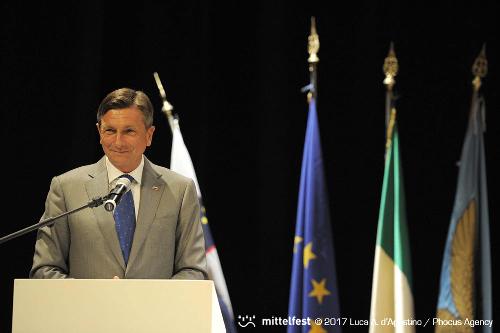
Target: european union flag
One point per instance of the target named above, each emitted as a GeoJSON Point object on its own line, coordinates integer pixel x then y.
{"type": "Point", "coordinates": [313, 291]}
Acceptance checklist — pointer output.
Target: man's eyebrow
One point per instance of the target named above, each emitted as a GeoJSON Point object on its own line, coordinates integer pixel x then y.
{"type": "Point", "coordinates": [129, 127]}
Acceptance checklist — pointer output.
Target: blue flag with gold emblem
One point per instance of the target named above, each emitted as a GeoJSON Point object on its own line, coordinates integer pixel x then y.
{"type": "Point", "coordinates": [314, 296]}
{"type": "Point", "coordinates": [465, 297]}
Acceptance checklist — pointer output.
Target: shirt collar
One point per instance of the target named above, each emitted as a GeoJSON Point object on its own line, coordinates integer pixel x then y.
{"type": "Point", "coordinates": [114, 172]}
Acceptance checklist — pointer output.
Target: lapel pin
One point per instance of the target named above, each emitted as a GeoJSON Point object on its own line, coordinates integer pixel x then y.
{"type": "Point", "coordinates": [155, 188]}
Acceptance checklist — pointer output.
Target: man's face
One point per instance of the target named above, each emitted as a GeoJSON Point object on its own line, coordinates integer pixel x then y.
{"type": "Point", "coordinates": [124, 137]}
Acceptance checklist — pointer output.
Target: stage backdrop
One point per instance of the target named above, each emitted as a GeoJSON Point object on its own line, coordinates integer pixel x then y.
{"type": "Point", "coordinates": [233, 72]}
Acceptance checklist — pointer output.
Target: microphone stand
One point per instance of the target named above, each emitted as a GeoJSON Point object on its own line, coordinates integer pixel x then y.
{"type": "Point", "coordinates": [96, 202]}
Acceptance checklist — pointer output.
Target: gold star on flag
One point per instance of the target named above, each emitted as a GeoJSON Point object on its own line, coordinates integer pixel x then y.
{"type": "Point", "coordinates": [319, 290]}
{"type": "Point", "coordinates": [317, 328]}
{"type": "Point", "coordinates": [308, 254]}
{"type": "Point", "coordinates": [204, 219]}
{"type": "Point", "coordinates": [296, 242]}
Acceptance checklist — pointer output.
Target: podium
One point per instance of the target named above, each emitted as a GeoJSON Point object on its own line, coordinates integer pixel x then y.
{"type": "Point", "coordinates": [98, 306]}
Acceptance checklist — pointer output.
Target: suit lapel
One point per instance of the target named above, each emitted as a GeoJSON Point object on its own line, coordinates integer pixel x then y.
{"type": "Point", "coordinates": [151, 192]}
{"type": "Point", "coordinates": [98, 186]}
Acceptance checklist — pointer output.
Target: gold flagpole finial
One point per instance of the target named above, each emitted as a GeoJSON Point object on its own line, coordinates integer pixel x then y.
{"type": "Point", "coordinates": [312, 49]}
{"type": "Point", "coordinates": [479, 68]}
{"type": "Point", "coordinates": [313, 43]}
{"type": "Point", "coordinates": [390, 68]}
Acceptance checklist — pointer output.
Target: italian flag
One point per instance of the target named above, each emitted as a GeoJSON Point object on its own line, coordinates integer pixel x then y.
{"type": "Point", "coordinates": [392, 299]}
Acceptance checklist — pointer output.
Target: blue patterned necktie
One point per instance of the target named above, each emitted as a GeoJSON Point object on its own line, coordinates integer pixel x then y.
{"type": "Point", "coordinates": [124, 215]}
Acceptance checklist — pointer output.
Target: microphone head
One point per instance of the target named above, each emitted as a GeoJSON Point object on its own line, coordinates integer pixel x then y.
{"type": "Point", "coordinates": [124, 181]}
{"type": "Point", "coordinates": [109, 205]}
{"type": "Point", "coordinates": [122, 186]}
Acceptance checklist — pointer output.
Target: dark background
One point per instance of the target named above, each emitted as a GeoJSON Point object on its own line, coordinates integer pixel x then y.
{"type": "Point", "coordinates": [233, 72]}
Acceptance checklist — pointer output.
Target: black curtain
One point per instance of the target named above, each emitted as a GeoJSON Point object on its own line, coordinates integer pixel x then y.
{"type": "Point", "coordinates": [233, 72]}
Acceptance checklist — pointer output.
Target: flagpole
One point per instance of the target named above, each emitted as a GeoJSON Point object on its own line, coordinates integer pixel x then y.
{"type": "Point", "coordinates": [465, 284]}
{"type": "Point", "coordinates": [312, 49]}
{"type": "Point", "coordinates": [390, 69]}
{"type": "Point", "coordinates": [167, 108]}
{"type": "Point", "coordinates": [479, 70]}
{"type": "Point", "coordinates": [484, 301]}
{"type": "Point", "coordinates": [392, 295]}
{"type": "Point", "coordinates": [180, 162]}
{"type": "Point", "coordinates": [313, 286]}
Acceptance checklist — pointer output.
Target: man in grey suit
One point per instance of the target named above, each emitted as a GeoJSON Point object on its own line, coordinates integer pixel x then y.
{"type": "Point", "coordinates": [154, 233]}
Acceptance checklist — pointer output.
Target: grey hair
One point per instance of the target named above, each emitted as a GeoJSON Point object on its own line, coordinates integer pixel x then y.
{"type": "Point", "coordinates": [124, 98]}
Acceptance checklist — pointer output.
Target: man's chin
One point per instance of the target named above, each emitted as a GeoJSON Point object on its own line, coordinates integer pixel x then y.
{"type": "Point", "coordinates": [123, 162]}
{"type": "Point", "coordinates": [119, 160]}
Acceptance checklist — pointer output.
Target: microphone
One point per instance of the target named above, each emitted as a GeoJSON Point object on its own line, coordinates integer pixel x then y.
{"type": "Point", "coordinates": [114, 197]}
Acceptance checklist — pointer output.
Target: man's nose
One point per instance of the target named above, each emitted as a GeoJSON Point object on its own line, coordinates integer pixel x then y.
{"type": "Point", "coordinates": [118, 139]}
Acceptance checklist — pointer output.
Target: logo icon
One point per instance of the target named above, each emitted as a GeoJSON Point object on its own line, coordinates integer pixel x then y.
{"type": "Point", "coordinates": [246, 320]}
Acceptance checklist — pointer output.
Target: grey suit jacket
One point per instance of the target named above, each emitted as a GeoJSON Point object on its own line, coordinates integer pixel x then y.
{"type": "Point", "coordinates": [168, 240]}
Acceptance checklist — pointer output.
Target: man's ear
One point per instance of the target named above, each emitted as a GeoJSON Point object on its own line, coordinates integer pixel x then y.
{"type": "Point", "coordinates": [98, 131]}
{"type": "Point", "coordinates": [150, 132]}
